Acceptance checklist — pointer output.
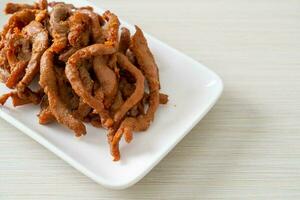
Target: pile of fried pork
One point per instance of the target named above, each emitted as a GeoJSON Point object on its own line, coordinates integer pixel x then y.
{"type": "Point", "coordinates": [87, 71]}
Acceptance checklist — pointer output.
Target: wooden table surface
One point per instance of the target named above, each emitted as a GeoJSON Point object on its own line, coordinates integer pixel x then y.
{"type": "Point", "coordinates": [247, 147]}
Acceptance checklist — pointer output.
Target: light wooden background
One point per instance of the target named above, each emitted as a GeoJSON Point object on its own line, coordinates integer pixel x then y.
{"type": "Point", "coordinates": [247, 147]}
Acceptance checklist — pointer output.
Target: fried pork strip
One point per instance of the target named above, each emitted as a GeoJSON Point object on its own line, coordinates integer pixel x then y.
{"type": "Point", "coordinates": [73, 75]}
{"type": "Point", "coordinates": [18, 20]}
{"type": "Point", "coordinates": [107, 79]}
{"type": "Point", "coordinates": [79, 37]}
{"type": "Point", "coordinates": [147, 64]}
{"type": "Point", "coordinates": [137, 94]}
{"type": "Point", "coordinates": [48, 82]}
{"type": "Point", "coordinates": [105, 75]}
{"type": "Point", "coordinates": [18, 54]}
{"type": "Point", "coordinates": [16, 100]}
{"type": "Point", "coordinates": [38, 36]}
{"type": "Point", "coordinates": [111, 29]}
{"type": "Point", "coordinates": [11, 8]}
{"type": "Point", "coordinates": [95, 26]}
{"type": "Point", "coordinates": [45, 116]}
{"type": "Point", "coordinates": [59, 26]}
{"type": "Point", "coordinates": [124, 40]}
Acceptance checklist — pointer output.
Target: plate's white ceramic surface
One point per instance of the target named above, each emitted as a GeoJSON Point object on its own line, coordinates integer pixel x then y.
{"type": "Point", "coordinates": [193, 90]}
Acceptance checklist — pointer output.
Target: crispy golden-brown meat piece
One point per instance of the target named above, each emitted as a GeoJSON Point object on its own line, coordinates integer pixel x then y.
{"type": "Point", "coordinates": [105, 75]}
{"type": "Point", "coordinates": [73, 75]}
{"type": "Point", "coordinates": [48, 82]}
{"type": "Point", "coordinates": [124, 40]}
{"type": "Point", "coordinates": [111, 29]}
{"type": "Point", "coordinates": [59, 26]}
{"type": "Point", "coordinates": [78, 37]}
{"type": "Point", "coordinates": [96, 26]}
{"type": "Point", "coordinates": [79, 34]}
{"type": "Point", "coordinates": [38, 36]}
{"type": "Point", "coordinates": [18, 20]}
{"type": "Point", "coordinates": [16, 100]}
{"type": "Point", "coordinates": [11, 8]}
{"type": "Point", "coordinates": [18, 54]}
{"type": "Point", "coordinates": [147, 64]}
{"type": "Point", "coordinates": [137, 94]}
{"type": "Point", "coordinates": [107, 79]}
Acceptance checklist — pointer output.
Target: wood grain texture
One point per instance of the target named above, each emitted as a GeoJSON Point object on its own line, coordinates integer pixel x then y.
{"type": "Point", "coordinates": [247, 147]}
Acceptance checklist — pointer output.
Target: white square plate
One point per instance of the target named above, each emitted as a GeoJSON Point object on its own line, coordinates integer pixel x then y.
{"type": "Point", "coordinates": [192, 88]}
